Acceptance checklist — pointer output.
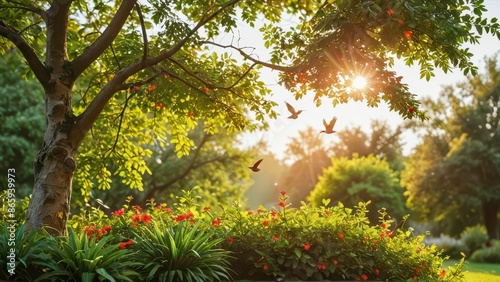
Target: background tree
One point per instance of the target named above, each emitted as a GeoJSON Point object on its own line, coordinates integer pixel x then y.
{"type": "Point", "coordinates": [459, 176]}
{"type": "Point", "coordinates": [136, 58]}
{"type": "Point", "coordinates": [308, 156]}
{"type": "Point", "coordinates": [361, 179]}
{"type": "Point", "coordinates": [21, 122]}
{"type": "Point", "coordinates": [382, 141]}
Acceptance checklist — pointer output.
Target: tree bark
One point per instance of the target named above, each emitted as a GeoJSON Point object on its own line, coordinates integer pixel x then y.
{"type": "Point", "coordinates": [490, 215]}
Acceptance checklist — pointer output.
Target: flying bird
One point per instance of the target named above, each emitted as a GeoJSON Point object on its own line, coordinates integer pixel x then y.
{"type": "Point", "coordinates": [295, 114]}
{"type": "Point", "coordinates": [255, 166]}
{"type": "Point", "coordinates": [329, 126]}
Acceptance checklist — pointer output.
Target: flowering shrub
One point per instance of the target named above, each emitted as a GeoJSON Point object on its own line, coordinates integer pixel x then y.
{"type": "Point", "coordinates": [334, 243]}
{"type": "Point", "coordinates": [145, 243]}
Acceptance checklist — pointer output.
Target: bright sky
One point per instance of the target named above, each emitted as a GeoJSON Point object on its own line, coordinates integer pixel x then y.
{"type": "Point", "coordinates": [355, 114]}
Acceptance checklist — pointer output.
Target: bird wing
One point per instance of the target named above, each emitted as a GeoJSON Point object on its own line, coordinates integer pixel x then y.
{"type": "Point", "coordinates": [290, 108]}
{"type": "Point", "coordinates": [324, 123]}
{"type": "Point", "coordinates": [257, 163]}
{"type": "Point", "coordinates": [332, 122]}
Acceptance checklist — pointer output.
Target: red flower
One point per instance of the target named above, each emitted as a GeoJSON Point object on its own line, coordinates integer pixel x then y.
{"type": "Point", "coordinates": [137, 208]}
{"type": "Point", "coordinates": [273, 213]}
{"type": "Point", "coordinates": [249, 212]}
{"type": "Point", "coordinates": [401, 22]}
{"type": "Point", "coordinates": [390, 12]}
{"type": "Point", "coordinates": [283, 193]}
{"type": "Point", "coordinates": [265, 267]}
{"type": "Point", "coordinates": [158, 105]}
{"type": "Point", "coordinates": [206, 89]}
{"type": "Point", "coordinates": [377, 272]}
{"type": "Point", "coordinates": [216, 222]}
{"type": "Point", "coordinates": [151, 88]}
{"type": "Point", "coordinates": [168, 210]}
{"type": "Point", "coordinates": [258, 211]}
{"type": "Point", "coordinates": [137, 88]}
{"type": "Point", "coordinates": [364, 277]}
{"type": "Point", "coordinates": [442, 274]}
{"type": "Point", "coordinates": [281, 204]}
{"type": "Point", "coordinates": [159, 207]}
{"type": "Point", "coordinates": [415, 278]}
{"type": "Point", "coordinates": [383, 226]}
{"type": "Point", "coordinates": [123, 245]}
{"type": "Point", "coordinates": [327, 212]}
{"type": "Point", "coordinates": [119, 212]}
{"type": "Point", "coordinates": [335, 261]}
{"type": "Point", "coordinates": [411, 110]}
{"type": "Point", "coordinates": [206, 208]}
{"type": "Point", "coordinates": [408, 34]}
{"type": "Point", "coordinates": [307, 247]}
{"type": "Point", "coordinates": [231, 240]}
{"type": "Point", "coordinates": [136, 218]}
{"type": "Point", "coordinates": [106, 229]}
{"type": "Point", "coordinates": [275, 238]}
{"type": "Point", "coordinates": [321, 267]}
{"type": "Point", "coordinates": [146, 218]}
{"type": "Point", "coordinates": [265, 223]}
{"type": "Point", "coordinates": [341, 236]}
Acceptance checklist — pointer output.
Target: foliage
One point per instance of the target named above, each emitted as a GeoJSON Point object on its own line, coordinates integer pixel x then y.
{"type": "Point", "coordinates": [16, 212]}
{"type": "Point", "coordinates": [360, 179]}
{"type": "Point", "coordinates": [310, 156]}
{"type": "Point", "coordinates": [381, 141]}
{"type": "Point", "coordinates": [79, 257]}
{"type": "Point", "coordinates": [119, 75]}
{"type": "Point", "coordinates": [452, 177]}
{"type": "Point", "coordinates": [21, 121]}
{"type": "Point", "coordinates": [180, 253]}
{"type": "Point", "coordinates": [28, 247]}
{"type": "Point", "coordinates": [489, 254]}
{"type": "Point", "coordinates": [307, 243]}
{"type": "Point", "coordinates": [474, 238]}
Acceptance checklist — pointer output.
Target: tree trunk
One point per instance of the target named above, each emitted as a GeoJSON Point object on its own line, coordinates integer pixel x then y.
{"type": "Point", "coordinates": [55, 164]}
{"type": "Point", "coordinates": [490, 214]}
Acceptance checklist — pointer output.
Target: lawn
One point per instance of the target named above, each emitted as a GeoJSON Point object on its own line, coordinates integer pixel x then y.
{"type": "Point", "coordinates": [479, 272]}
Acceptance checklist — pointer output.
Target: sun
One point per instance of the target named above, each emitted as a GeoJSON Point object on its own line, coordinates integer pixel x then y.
{"type": "Point", "coordinates": [359, 82]}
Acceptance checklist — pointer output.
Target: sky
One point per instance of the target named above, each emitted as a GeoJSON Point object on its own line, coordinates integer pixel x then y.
{"type": "Point", "coordinates": [355, 113]}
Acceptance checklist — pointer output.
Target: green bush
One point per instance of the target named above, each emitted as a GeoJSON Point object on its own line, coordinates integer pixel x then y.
{"type": "Point", "coordinates": [80, 257]}
{"type": "Point", "coordinates": [303, 243]}
{"type": "Point", "coordinates": [325, 243]}
{"type": "Point", "coordinates": [180, 253]}
{"type": "Point", "coordinates": [451, 247]}
{"type": "Point", "coordinates": [489, 254]}
{"type": "Point", "coordinates": [474, 238]}
{"type": "Point", "coordinates": [28, 246]}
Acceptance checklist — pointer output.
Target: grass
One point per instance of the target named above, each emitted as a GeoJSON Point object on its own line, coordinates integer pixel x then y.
{"type": "Point", "coordinates": [478, 272]}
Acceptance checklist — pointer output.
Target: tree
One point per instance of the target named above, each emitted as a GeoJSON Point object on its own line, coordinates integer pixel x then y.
{"type": "Point", "coordinates": [21, 122]}
{"type": "Point", "coordinates": [310, 157]}
{"type": "Point", "coordinates": [137, 60]}
{"type": "Point", "coordinates": [457, 169]}
{"type": "Point", "coordinates": [382, 141]}
{"type": "Point", "coordinates": [360, 179]}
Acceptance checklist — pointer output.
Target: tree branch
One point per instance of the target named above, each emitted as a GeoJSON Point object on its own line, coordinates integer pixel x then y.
{"type": "Point", "coordinates": [90, 115]}
{"type": "Point", "coordinates": [250, 58]}
{"type": "Point", "coordinates": [144, 34]}
{"type": "Point", "coordinates": [90, 54]}
{"type": "Point", "coordinates": [41, 73]}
